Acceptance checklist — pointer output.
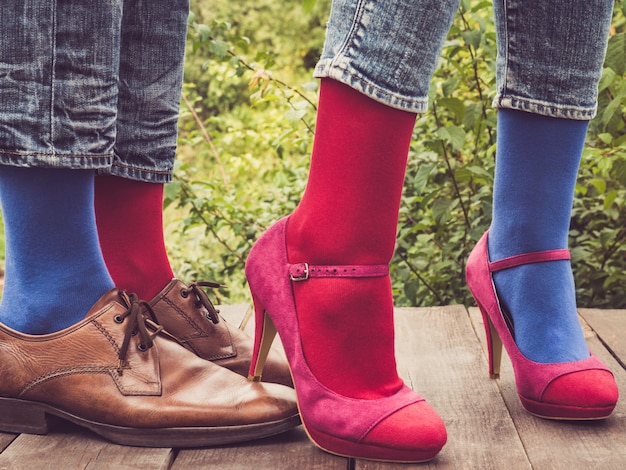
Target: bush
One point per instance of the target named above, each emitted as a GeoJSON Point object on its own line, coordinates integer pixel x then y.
{"type": "Point", "coordinates": [246, 134]}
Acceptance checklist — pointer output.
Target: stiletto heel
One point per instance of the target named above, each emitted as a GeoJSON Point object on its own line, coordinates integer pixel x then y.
{"type": "Point", "coordinates": [578, 390]}
{"type": "Point", "coordinates": [400, 427]}
{"type": "Point", "coordinates": [494, 346]}
{"type": "Point", "coordinates": [265, 332]}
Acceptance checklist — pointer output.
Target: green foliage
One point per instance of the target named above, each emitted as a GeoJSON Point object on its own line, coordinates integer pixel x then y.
{"type": "Point", "coordinates": [447, 194]}
{"type": "Point", "coordinates": [598, 229]}
{"type": "Point", "coordinates": [246, 133]}
{"type": "Point", "coordinates": [245, 137]}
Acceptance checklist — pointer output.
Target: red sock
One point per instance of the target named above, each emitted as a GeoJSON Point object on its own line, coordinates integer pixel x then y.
{"type": "Point", "coordinates": [349, 211]}
{"type": "Point", "coordinates": [129, 215]}
{"type": "Point", "coordinates": [349, 215]}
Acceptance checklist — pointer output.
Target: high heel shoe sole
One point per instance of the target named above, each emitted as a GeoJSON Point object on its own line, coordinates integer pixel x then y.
{"type": "Point", "coordinates": [539, 409]}
{"type": "Point", "coordinates": [335, 423]}
{"type": "Point", "coordinates": [325, 441]}
{"type": "Point", "coordinates": [548, 372]}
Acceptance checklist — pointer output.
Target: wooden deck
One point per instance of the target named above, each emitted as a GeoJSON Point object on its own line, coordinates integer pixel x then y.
{"type": "Point", "coordinates": [440, 354]}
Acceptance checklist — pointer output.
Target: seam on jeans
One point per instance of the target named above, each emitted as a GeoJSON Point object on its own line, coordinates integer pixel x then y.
{"type": "Point", "coordinates": [146, 170]}
{"type": "Point", "coordinates": [544, 108]}
{"type": "Point", "coordinates": [53, 71]}
{"type": "Point", "coordinates": [352, 78]}
{"type": "Point", "coordinates": [57, 155]}
{"type": "Point", "coordinates": [356, 23]}
{"type": "Point", "coordinates": [505, 74]}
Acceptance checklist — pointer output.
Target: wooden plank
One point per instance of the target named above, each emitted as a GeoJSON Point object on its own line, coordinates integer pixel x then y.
{"type": "Point", "coordinates": [71, 447]}
{"type": "Point", "coordinates": [609, 326]}
{"type": "Point", "coordinates": [568, 445]}
{"type": "Point", "coordinates": [287, 451]}
{"type": "Point", "coordinates": [5, 440]}
{"type": "Point", "coordinates": [438, 356]}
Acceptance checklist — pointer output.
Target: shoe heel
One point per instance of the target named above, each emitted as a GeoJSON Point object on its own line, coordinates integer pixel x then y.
{"type": "Point", "coordinates": [264, 335]}
{"type": "Point", "coordinates": [18, 416]}
{"type": "Point", "coordinates": [494, 346]}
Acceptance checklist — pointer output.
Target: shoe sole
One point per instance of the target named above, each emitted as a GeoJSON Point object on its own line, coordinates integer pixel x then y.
{"type": "Point", "coordinates": [21, 416]}
{"type": "Point", "coordinates": [565, 412]}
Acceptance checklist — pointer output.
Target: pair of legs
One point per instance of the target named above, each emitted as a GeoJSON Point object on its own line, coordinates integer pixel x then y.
{"type": "Point", "coordinates": [348, 214]}
{"type": "Point", "coordinates": [376, 68]}
{"type": "Point", "coordinates": [97, 95]}
{"type": "Point", "coordinates": [94, 87]}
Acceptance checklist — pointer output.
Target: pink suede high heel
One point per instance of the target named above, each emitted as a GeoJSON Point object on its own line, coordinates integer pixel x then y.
{"type": "Point", "coordinates": [578, 390]}
{"type": "Point", "coordinates": [362, 428]}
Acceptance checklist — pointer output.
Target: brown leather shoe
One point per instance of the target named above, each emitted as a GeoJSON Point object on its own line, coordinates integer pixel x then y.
{"type": "Point", "coordinates": [187, 313]}
{"type": "Point", "coordinates": [118, 374]}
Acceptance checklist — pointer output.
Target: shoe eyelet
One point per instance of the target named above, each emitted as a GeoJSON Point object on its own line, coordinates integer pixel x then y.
{"type": "Point", "coordinates": [142, 347]}
{"type": "Point", "coordinates": [134, 333]}
{"type": "Point", "coordinates": [184, 293]}
{"type": "Point", "coordinates": [118, 319]}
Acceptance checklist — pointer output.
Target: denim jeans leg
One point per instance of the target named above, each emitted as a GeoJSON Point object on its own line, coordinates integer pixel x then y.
{"type": "Point", "coordinates": [58, 82]}
{"type": "Point", "coordinates": [386, 49]}
{"type": "Point", "coordinates": [550, 55]}
{"type": "Point", "coordinates": [150, 83]}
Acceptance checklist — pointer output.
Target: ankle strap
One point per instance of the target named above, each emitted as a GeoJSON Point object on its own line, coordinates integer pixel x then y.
{"type": "Point", "coordinates": [528, 258]}
{"type": "Point", "coordinates": [303, 271]}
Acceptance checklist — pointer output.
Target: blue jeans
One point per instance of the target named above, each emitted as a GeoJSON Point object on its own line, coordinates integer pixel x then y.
{"type": "Point", "coordinates": [92, 84]}
{"type": "Point", "coordinates": [550, 52]}
{"type": "Point", "coordinates": [96, 84]}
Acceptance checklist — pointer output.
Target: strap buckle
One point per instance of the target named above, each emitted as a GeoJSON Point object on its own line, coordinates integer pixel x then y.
{"type": "Point", "coordinates": [299, 272]}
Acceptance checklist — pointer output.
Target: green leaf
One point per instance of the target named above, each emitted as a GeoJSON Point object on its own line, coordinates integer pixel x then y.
{"type": "Point", "coordinates": [421, 178]}
{"type": "Point", "coordinates": [613, 107]}
{"type": "Point", "coordinates": [480, 171]}
{"type": "Point", "coordinates": [608, 76]}
{"type": "Point", "coordinates": [618, 171]}
{"type": "Point", "coordinates": [609, 199]}
{"type": "Point", "coordinates": [455, 105]}
{"type": "Point", "coordinates": [599, 184]}
{"type": "Point", "coordinates": [616, 53]}
{"type": "Point", "coordinates": [203, 31]}
{"type": "Point", "coordinates": [450, 85]}
{"type": "Point", "coordinates": [294, 116]}
{"type": "Point", "coordinates": [219, 48]}
{"type": "Point", "coordinates": [453, 135]}
{"type": "Point", "coordinates": [308, 5]}
{"type": "Point", "coordinates": [440, 209]}
{"type": "Point", "coordinates": [472, 38]}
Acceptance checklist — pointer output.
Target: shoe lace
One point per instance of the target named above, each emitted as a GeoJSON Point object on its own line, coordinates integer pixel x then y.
{"type": "Point", "coordinates": [138, 324]}
{"type": "Point", "coordinates": [202, 298]}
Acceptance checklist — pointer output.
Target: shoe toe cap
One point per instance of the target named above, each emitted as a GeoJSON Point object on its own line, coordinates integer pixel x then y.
{"type": "Point", "coordinates": [415, 428]}
{"type": "Point", "coordinates": [584, 389]}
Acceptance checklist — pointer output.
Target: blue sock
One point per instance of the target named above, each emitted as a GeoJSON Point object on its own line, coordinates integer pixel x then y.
{"type": "Point", "coordinates": [537, 164]}
{"type": "Point", "coordinates": [54, 267]}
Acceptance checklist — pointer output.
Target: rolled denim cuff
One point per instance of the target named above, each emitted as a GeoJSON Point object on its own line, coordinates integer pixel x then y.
{"type": "Point", "coordinates": [47, 160]}
{"type": "Point", "coordinates": [545, 108]}
{"type": "Point", "coordinates": [144, 174]}
{"type": "Point", "coordinates": [341, 72]}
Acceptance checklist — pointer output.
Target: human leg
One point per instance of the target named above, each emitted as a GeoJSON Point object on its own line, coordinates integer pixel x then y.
{"type": "Point", "coordinates": [337, 244]}
{"type": "Point", "coordinates": [54, 267]}
{"type": "Point", "coordinates": [56, 275]}
{"type": "Point", "coordinates": [152, 38]}
{"type": "Point", "coordinates": [110, 368]}
{"type": "Point", "coordinates": [546, 94]}
{"type": "Point", "coordinates": [129, 194]}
